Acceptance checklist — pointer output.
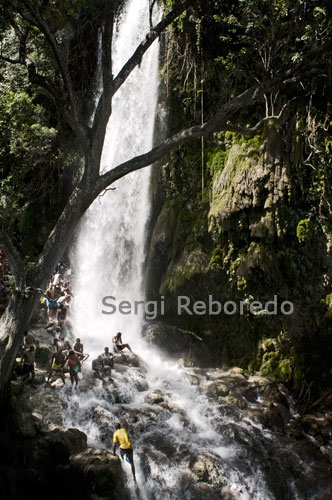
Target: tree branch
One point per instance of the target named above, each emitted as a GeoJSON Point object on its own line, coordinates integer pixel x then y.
{"type": "Point", "coordinates": [136, 58]}
{"type": "Point", "coordinates": [9, 60]}
{"type": "Point", "coordinates": [218, 122]}
{"type": "Point", "coordinates": [40, 80]}
{"type": "Point", "coordinates": [258, 127]}
{"type": "Point", "coordinates": [35, 18]}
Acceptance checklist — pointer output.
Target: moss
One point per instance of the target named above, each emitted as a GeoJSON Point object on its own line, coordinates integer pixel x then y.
{"type": "Point", "coordinates": [190, 265]}
{"type": "Point", "coordinates": [216, 159]}
{"type": "Point", "coordinates": [269, 364]}
{"type": "Point", "coordinates": [217, 259]}
{"type": "Point", "coordinates": [269, 345]}
{"type": "Point", "coordinates": [237, 163]}
{"type": "Point", "coordinates": [328, 302]}
{"type": "Point", "coordinates": [241, 284]}
{"type": "Point", "coordinates": [300, 368]}
{"type": "Point", "coordinates": [303, 230]}
{"type": "Point", "coordinates": [284, 370]}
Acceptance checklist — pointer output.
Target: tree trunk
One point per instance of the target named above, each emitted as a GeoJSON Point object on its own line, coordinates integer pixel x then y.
{"type": "Point", "coordinates": [13, 323]}
{"type": "Point", "coordinates": [19, 312]}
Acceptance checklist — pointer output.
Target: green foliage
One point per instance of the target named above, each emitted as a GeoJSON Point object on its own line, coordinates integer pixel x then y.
{"type": "Point", "coordinates": [303, 230]}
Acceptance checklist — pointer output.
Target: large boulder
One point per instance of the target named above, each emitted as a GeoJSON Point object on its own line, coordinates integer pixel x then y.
{"type": "Point", "coordinates": [101, 472]}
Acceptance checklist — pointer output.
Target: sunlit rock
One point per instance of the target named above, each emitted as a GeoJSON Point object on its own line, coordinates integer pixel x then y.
{"type": "Point", "coordinates": [154, 398]}
{"type": "Point", "coordinates": [217, 389]}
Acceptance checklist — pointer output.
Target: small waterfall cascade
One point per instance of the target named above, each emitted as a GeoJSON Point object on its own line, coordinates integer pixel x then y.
{"type": "Point", "coordinates": [193, 431]}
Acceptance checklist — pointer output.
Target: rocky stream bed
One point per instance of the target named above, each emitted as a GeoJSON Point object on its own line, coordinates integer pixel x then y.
{"type": "Point", "coordinates": [197, 433]}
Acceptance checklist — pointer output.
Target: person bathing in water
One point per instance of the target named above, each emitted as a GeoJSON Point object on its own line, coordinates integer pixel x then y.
{"type": "Point", "coordinates": [118, 346]}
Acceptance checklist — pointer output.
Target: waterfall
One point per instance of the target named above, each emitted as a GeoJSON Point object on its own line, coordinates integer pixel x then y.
{"type": "Point", "coordinates": [194, 444]}
{"type": "Point", "coordinates": [109, 253]}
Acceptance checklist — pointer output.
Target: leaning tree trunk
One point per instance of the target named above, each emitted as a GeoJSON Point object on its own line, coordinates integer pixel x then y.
{"type": "Point", "coordinates": [25, 299]}
{"type": "Point", "coordinates": [13, 323]}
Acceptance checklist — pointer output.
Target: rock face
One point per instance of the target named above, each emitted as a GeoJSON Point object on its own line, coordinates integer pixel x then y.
{"type": "Point", "coordinates": [247, 238]}
{"type": "Point", "coordinates": [100, 471]}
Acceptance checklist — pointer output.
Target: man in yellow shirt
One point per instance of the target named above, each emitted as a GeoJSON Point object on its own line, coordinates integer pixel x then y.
{"type": "Point", "coordinates": [126, 451]}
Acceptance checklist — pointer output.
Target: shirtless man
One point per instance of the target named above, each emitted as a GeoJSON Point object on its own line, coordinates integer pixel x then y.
{"type": "Point", "coordinates": [107, 360]}
{"type": "Point", "coordinates": [78, 349]}
{"type": "Point", "coordinates": [118, 346]}
{"type": "Point", "coordinates": [28, 364]}
{"type": "Point", "coordinates": [58, 362]}
{"type": "Point", "coordinates": [28, 340]}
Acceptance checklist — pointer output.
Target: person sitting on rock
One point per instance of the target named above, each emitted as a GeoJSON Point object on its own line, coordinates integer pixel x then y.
{"type": "Point", "coordinates": [118, 346]}
{"type": "Point", "coordinates": [58, 365]}
{"type": "Point", "coordinates": [126, 451]}
{"type": "Point", "coordinates": [107, 359]}
{"type": "Point", "coordinates": [99, 369]}
{"type": "Point", "coordinates": [74, 365]}
{"type": "Point", "coordinates": [28, 364]}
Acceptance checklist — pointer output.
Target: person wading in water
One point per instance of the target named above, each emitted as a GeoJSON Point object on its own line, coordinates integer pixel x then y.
{"type": "Point", "coordinates": [126, 451]}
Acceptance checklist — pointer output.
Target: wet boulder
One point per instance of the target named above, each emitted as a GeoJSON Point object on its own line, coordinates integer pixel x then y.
{"type": "Point", "coordinates": [129, 359]}
{"type": "Point", "coordinates": [44, 354]}
{"type": "Point", "coordinates": [166, 337]}
{"type": "Point", "coordinates": [154, 398]}
{"type": "Point", "coordinates": [193, 379]}
{"type": "Point", "coordinates": [141, 384]}
{"type": "Point", "coordinates": [317, 426]}
{"type": "Point", "coordinates": [216, 389]}
{"type": "Point", "coordinates": [66, 442]}
{"type": "Point", "coordinates": [172, 407]}
{"type": "Point", "coordinates": [273, 415]}
{"type": "Point", "coordinates": [206, 470]}
{"type": "Point", "coordinates": [101, 473]}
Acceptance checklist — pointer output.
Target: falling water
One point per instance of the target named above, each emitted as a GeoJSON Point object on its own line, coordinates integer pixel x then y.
{"type": "Point", "coordinates": [109, 253]}
{"type": "Point", "coordinates": [108, 261]}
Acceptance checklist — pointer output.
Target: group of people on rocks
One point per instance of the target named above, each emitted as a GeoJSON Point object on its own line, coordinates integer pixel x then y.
{"type": "Point", "coordinates": [67, 357]}
{"type": "Point", "coordinates": [58, 294]}
{"type": "Point", "coordinates": [70, 357]}
{"type": "Point", "coordinates": [103, 364]}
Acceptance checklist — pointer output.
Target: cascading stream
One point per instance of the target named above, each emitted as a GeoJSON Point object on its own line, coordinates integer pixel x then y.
{"type": "Point", "coordinates": [108, 259]}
